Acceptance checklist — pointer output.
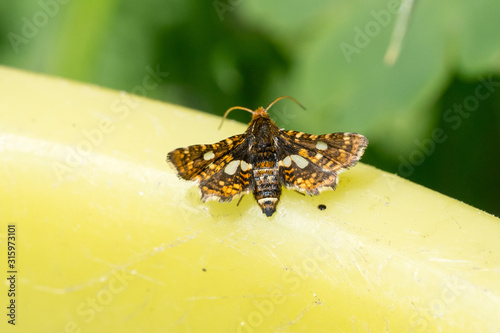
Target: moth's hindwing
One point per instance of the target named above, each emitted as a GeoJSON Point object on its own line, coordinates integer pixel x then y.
{"type": "Point", "coordinates": [311, 163]}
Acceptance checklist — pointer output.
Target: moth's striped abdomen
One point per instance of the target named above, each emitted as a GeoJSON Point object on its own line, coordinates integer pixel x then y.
{"type": "Point", "coordinates": [267, 186]}
{"type": "Point", "coordinates": [266, 175]}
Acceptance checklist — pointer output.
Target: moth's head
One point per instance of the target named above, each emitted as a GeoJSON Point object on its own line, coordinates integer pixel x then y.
{"type": "Point", "coordinates": [260, 111]}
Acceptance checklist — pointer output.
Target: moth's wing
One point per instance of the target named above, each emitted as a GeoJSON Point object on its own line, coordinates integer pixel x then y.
{"type": "Point", "coordinates": [190, 162]}
{"type": "Point", "coordinates": [311, 163]}
{"type": "Point", "coordinates": [221, 169]}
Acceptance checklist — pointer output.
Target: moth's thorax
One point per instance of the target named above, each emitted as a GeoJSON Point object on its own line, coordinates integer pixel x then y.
{"type": "Point", "coordinates": [262, 128]}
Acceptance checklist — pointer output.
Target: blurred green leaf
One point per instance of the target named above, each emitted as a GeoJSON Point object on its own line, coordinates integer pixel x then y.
{"type": "Point", "coordinates": [338, 70]}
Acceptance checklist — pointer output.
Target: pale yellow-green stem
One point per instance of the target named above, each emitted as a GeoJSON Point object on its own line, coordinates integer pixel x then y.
{"type": "Point", "coordinates": [108, 239]}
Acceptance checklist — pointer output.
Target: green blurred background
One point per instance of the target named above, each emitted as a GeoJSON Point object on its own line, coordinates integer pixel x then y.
{"type": "Point", "coordinates": [433, 117]}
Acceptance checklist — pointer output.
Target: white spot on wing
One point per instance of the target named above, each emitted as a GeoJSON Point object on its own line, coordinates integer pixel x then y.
{"type": "Point", "coordinates": [208, 155]}
{"type": "Point", "coordinates": [321, 145]}
{"type": "Point", "coordinates": [300, 161]}
{"type": "Point", "coordinates": [287, 161]}
{"type": "Point", "coordinates": [244, 166]}
{"type": "Point", "coordinates": [231, 167]}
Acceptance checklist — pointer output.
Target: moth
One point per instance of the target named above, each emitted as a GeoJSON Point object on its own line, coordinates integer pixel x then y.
{"type": "Point", "coordinates": [265, 158]}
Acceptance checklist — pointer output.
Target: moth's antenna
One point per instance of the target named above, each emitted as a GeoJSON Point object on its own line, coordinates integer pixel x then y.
{"type": "Point", "coordinates": [252, 112]}
{"type": "Point", "coordinates": [282, 97]}
{"type": "Point", "coordinates": [231, 109]}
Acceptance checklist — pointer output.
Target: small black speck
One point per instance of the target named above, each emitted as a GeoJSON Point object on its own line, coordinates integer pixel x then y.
{"type": "Point", "coordinates": [204, 269]}
{"type": "Point", "coordinates": [321, 207]}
